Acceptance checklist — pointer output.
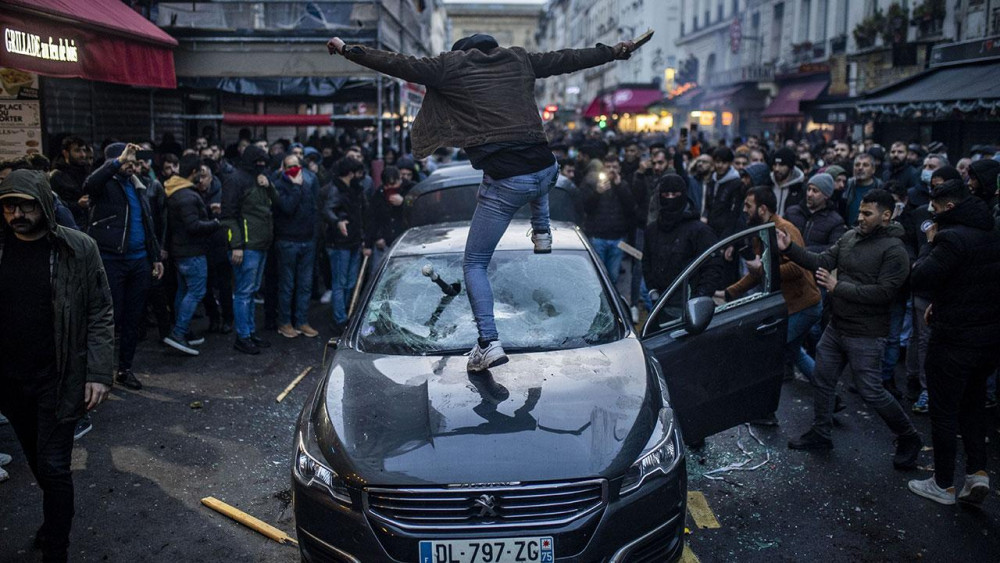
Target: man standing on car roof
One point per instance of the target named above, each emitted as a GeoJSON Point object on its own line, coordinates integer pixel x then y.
{"type": "Point", "coordinates": [480, 97]}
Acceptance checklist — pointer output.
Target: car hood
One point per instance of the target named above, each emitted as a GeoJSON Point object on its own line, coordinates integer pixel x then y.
{"type": "Point", "coordinates": [422, 420]}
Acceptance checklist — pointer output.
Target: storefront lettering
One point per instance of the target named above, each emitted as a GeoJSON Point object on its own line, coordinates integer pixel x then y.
{"type": "Point", "coordinates": [10, 113]}
{"type": "Point", "coordinates": [30, 45]}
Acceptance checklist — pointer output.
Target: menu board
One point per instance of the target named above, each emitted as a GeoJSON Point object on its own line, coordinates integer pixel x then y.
{"type": "Point", "coordinates": [20, 114]}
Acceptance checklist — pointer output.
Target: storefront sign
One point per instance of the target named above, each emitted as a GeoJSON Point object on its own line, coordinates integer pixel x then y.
{"type": "Point", "coordinates": [20, 115]}
{"type": "Point", "coordinates": [965, 52]}
{"type": "Point", "coordinates": [30, 45]}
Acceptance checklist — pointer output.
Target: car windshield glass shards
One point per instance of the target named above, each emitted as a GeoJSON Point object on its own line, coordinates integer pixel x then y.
{"type": "Point", "coordinates": [542, 302]}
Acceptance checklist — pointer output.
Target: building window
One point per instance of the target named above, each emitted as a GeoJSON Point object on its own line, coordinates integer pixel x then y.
{"type": "Point", "coordinates": [719, 14]}
{"type": "Point", "coordinates": [779, 23]}
{"type": "Point", "coordinates": [805, 14]}
{"type": "Point", "coordinates": [736, 8]}
{"type": "Point", "coordinates": [823, 8]}
{"type": "Point", "coordinates": [845, 11]}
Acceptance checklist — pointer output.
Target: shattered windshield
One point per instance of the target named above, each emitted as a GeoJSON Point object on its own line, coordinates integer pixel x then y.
{"type": "Point", "coordinates": [542, 302]}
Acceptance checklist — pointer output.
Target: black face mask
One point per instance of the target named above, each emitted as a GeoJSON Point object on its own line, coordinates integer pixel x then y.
{"type": "Point", "coordinates": [671, 212]}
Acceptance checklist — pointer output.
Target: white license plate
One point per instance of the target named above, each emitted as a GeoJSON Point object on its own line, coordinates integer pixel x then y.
{"type": "Point", "coordinates": [504, 550]}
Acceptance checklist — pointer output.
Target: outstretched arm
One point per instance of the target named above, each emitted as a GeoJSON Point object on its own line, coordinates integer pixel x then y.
{"type": "Point", "coordinates": [428, 71]}
{"type": "Point", "coordinates": [572, 60]}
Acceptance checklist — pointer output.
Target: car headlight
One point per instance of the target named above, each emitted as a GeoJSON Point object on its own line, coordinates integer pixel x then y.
{"type": "Point", "coordinates": [659, 456]}
{"type": "Point", "coordinates": [313, 473]}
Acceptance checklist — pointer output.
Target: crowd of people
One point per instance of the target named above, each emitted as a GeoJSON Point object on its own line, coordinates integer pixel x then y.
{"type": "Point", "coordinates": [882, 261]}
{"type": "Point", "coordinates": [885, 256]}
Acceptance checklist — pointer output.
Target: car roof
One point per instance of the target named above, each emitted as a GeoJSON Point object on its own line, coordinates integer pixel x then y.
{"type": "Point", "coordinates": [454, 174]}
{"type": "Point", "coordinates": [443, 238]}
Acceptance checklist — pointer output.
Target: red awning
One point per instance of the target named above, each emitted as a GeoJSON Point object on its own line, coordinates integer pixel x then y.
{"type": "Point", "coordinates": [786, 104]}
{"type": "Point", "coordinates": [296, 119]}
{"type": "Point", "coordinates": [102, 40]}
{"type": "Point", "coordinates": [624, 100]}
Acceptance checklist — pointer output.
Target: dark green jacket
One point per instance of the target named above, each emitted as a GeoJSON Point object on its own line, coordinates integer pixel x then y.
{"type": "Point", "coordinates": [870, 272]}
{"type": "Point", "coordinates": [475, 98]}
{"type": "Point", "coordinates": [246, 206]}
{"type": "Point", "coordinates": [83, 321]}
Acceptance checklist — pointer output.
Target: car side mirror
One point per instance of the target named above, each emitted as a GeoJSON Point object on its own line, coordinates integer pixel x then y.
{"type": "Point", "coordinates": [698, 313]}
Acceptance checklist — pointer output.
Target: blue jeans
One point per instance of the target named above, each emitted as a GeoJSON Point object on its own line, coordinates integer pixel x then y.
{"type": "Point", "coordinates": [607, 249]}
{"type": "Point", "coordinates": [891, 357]}
{"type": "Point", "coordinates": [192, 280]}
{"type": "Point", "coordinates": [498, 201]}
{"type": "Point", "coordinates": [295, 278]}
{"type": "Point", "coordinates": [799, 325]}
{"type": "Point", "coordinates": [249, 275]}
{"type": "Point", "coordinates": [344, 267]}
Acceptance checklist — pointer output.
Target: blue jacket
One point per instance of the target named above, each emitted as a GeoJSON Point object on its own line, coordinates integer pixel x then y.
{"type": "Point", "coordinates": [295, 211]}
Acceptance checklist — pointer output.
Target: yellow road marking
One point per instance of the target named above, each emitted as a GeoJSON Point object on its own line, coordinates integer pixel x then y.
{"type": "Point", "coordinates": [700, 512]}
{"type": "Point", "coordinates": [688, 556]}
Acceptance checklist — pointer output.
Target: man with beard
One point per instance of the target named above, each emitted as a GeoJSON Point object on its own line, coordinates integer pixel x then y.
{"type": "Point", "coordinates": [797, 285]}
{"type": "Point", "coordinates": [67, 180]}
{"type": "Point", "coordinates": [864, 181]}
{"type": "Point", "coordinates": [842, 154]}
{"type": "Point", "coordinates": [817, 218]}
{"type": "Point", "coordinates": [344, 212]}
{"type": "Point", "coordinates": [56, 341]}
{"type": "Point", "coordinates": [247, 199]}
{"type": "Point", "coordinates": [871, 267]}
{"type": "Point", "coordinates": [786, 180]}
{"type": "Point", "coordinates": [122, 224]}
{"type": "Point", "coordinates": [675, 239]}
{"type": "Point", "coordinates": [899, 168]}
{"type": "Point", "coordinates": [959, 268]}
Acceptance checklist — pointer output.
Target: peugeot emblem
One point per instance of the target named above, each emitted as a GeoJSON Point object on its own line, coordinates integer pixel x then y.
{"type": "Point", "coordinates": [487, 506]}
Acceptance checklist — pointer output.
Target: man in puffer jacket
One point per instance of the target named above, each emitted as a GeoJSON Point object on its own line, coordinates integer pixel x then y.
{"type": "Point", "coordinates": [959, 269]}
{"type": "Point", "coordinates": [189, 230]}
{"type": "Point", "coordinates": [247, 198]}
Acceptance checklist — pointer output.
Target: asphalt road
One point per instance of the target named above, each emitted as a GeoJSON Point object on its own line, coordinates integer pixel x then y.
{"type": "Point", "coordinates": [141, 473]}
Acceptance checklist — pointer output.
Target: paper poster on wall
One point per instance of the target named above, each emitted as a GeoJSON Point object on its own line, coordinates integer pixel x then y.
{"type": "Point", "coordinates": [20, 114]}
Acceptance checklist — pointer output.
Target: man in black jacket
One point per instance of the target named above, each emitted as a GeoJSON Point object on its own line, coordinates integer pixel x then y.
{"type": "Point", "coordinates": [609, 213]}
{"type": "Point", "coordinates": [190, 228]}
{"type": "Point", "coordinates": [900, 169]}
{"type": "Point", "coordinates": [121, 223]}
{"type": "Point", "coordinates": [344, 214]}
{"type": "Point", "coordinates": [871, 266]}
{"type": "Point", "coordinates": [385, 214]}
{"type": "Point", "coordinates": [959, 268]}
{"type": "Point", "coordinates": [294, 234]}
{"type": "Point", "coordinates": [724, 207]}
{"type": "Point", "coordinates": [481, 97]}
{"type": "Point", "coordinates": [71, 170]}
{"type": "Point", "coordinates": [674, 239]}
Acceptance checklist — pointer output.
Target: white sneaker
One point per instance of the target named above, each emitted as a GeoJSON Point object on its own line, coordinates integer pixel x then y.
{"type": "Point", "coordinates": [5, 459]}
{"type": "Point", "coordinates": [928, 488]}
{"type": "Point", "coordinates": [542, 242]}
{"type": "Point", "coordinates": [327, 296]}
{"type": "Point", "coordinates": [975, 491]}
{"type": "Point", "coordinates": [481, 359]}
{"type": "Point", "coordinates": [3, 475]}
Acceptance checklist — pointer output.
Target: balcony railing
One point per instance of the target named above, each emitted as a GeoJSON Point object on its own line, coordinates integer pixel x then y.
{"type": "Point", "coordinates": [749, 73]}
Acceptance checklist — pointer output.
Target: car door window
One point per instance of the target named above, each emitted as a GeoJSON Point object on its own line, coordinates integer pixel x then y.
{"type": "Point", "coordinates": [705, 276]}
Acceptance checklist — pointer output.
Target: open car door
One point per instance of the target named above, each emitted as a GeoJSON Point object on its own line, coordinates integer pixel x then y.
{"type": "Point", "coordinates": [723, 364]}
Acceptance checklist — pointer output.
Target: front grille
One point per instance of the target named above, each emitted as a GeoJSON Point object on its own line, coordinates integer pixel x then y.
{"type": "Point", "coordinates": [546, 504]}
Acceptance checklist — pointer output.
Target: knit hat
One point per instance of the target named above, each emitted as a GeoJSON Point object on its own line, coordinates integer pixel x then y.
{"type": "Point", "coordinates": [759, 174]}
{"type": "Point", "coordinates": [947, 172]}
{"type": "Point", "coordinates": [833, 170]}
{"type": "Point", "coordinates": [784, 156]}
{"type": "Point", "coordinates": [114, 150]}
{"type": "Point", "coordinates": [671, 183]}
{"type": "Point", "coordinates": [823, 183]}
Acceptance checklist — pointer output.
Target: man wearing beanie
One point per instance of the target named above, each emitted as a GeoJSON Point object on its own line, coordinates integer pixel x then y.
{"type": "Point", "coordinates": [481, 97]}
{"type": "Point", "coordinates": [675, 239]}
{"type": "Point", "coordinates": [122, 224]}
{"type": "Point", "coordinates": [786, 180]}
{"type": "Point", "coordinates": [816, 217]}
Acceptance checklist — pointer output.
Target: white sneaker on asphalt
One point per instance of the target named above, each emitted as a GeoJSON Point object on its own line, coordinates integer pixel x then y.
{"type": "Point", "coordinates": [542, 242]}
{"type": "Point", "coordinates": [481, 359]}
{"type": "Point", "coordinates": [928, 488]}
{"type": "Point", "coordinates": [975, 491]}
{"type": "Point", "coordinates": [5, 459]}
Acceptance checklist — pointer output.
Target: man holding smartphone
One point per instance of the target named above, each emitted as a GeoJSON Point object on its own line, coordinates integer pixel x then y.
{"type": "Point", "coordinates": [122, 224]}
